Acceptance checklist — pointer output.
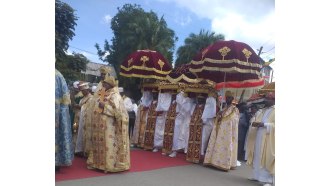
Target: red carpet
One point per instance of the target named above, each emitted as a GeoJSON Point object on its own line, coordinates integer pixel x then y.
{"type": "Point", "coordinates": [140, 161]}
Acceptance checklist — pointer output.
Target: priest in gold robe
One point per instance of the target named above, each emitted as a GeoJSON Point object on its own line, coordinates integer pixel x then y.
{"type": "Point", "coordinates": [104, 71]}
{"type": "Point", "coordinates": [84, 142]}
{"type": "Point", "coordinates": [260, 145]}
{"type": "Point", "coordinates": [110, 151]}
{"type": "Point", "coordinates": [222, 147]}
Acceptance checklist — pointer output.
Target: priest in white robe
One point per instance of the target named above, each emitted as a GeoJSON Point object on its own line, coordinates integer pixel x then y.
{"type": "Point", "coordinates": [141, 119]}
{"type": "Point", "coordinates": [260, 149]}
{"type": "Point", "coordinates": [184, 108]}
{"type": "Point", "coordinates": [208, 117]}
{"type": "Point", "coordinates": [163, 104]}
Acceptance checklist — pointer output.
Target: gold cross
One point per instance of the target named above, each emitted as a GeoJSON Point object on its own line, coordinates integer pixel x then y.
{"type": "Point", "coordinates": [161, 64]}
{"type": "Point", "coordinates": [224, 51]}
{"type": "Point", "coordinates": [144, 59]}
{"type": "Point", "coordinates": [247, 54]}
{"type": "Point", "coordinates": [130, 62]}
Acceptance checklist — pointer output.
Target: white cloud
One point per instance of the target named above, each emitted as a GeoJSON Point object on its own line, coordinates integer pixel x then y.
{"type": "Point", "coordinates": [88, 55]}
{"type": "Point", "coordinates": [252, 22]}
{"type": "Point", "coordinates": [107, 19]}
{"type": "Point", "coordinates": [183, 21]}
{"type": "Point", "coordinates": [68, 52]}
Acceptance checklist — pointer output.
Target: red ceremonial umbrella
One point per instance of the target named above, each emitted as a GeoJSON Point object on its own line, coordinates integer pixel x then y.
{"type": "Point", "coordinates": [182, 74]}
{"type": "Point", "coordinates": [145, 64]}
{"type": "Point", "coordinates": [229, 63]}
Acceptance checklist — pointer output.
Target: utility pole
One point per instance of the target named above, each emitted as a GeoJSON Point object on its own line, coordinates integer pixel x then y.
{"type": "Point", "coordinates": [260, 50]}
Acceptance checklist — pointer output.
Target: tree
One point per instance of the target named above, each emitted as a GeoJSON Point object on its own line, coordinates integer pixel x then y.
{"type": "Point", "coordinates": [71, 66]}
{"type": "Point", "coordinates": [65, 22]}
{"type": "Point", "coordinates": [194, 44]}
{"type": "Point", "coordinates": [134, 29]}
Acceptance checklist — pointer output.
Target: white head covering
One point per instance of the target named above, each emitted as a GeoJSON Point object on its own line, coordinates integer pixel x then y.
{"type": "Point", "coordinates": [164, 101]}
{"type": "Point", "coordinates": [209, 109]}
{"type": "Point", "coordinates": [121, 89]}
{"type": "Point", "coordinates": [146, 98]}
{"type": "Point", "coordinates": [75, 84]}
{"type": "Point", "coordinates": [84, 86]}
{"type": "Point", "coordinates": [94, 88]}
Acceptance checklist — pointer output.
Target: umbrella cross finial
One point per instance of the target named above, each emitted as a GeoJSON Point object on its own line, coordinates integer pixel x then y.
{"type": "Point", "coordinates": [144, 59]}
{"type": "Point", "coordinates": [161, 64]}
{"type": "Point", "coordinates": [247, 54]}
{"type": "Point", "coordinates": [224, 51]}
{"type": "Point", "coordinates": [130, 62]}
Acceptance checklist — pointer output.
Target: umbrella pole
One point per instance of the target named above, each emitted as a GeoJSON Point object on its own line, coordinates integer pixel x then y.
{"type": "Point", "coordinates": [241, 98]}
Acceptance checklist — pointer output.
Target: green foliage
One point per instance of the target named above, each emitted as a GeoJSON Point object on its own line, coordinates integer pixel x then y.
{"type": "Point", "coordinates": [194, 44]}
{"type": "Point", "coordinates": [71, 66]}
{"type": "Point", "coordinates": [134, 29]}
{"type": "Point", "coordinates": [65, 22]}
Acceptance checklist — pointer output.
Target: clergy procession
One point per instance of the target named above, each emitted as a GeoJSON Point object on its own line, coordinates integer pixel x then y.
{"type": "Point", "coordinates": [217, 111]}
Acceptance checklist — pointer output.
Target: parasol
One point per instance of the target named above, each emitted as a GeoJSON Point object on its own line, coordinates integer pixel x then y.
{"type": "Point", "coordinates": [145, 64]}
{"type": "Point", "coordinates": [229, 63]}
{"type": "Point", "coordinates": [182, 74]}
{"type": "Point", "coordinates": [268, 88]}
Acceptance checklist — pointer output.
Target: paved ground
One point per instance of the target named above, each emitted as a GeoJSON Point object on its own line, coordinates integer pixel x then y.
{"type": "Point", "coordinates": [189, 175]}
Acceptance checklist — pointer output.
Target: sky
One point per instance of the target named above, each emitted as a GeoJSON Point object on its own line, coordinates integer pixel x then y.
{"type": "Point", "coordinates": [251, 22]}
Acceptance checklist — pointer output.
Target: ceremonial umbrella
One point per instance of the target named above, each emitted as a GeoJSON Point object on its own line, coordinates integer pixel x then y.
{"type": "Point", "coordinates": [145, 64]}
{"type": "Point", "coordinates": [182, 74]}
{"type": "Point", "coordinates": [259, 97]}
{"type": "Point", "coordinates": [267, 88]}
{"type": "Point", "coordinates": [228, 64]}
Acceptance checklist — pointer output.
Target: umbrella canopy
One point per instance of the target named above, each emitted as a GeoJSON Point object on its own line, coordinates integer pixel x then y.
{"type": "Point", "coordinates": [260, 96]}
{"type": "Point", "coordinates": [182, 74]}
{"type": "Point", "coordinates": [145, 64]}
{"type": "Point", "coordinates": [268, 88]}
{"type": "Point", "coordinates": [228, 61]}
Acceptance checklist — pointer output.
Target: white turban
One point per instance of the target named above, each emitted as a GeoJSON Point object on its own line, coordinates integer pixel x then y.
{"type": "Point", "coordinates": [94, 88]}
{"type": "Point", "coordinates": [75, 84]}
{"type": "Point", "coordinates": [121, 89]}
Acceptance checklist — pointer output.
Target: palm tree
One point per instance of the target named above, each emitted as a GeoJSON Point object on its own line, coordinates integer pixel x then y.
{"type": "Point", "coordinates": [194, 44]}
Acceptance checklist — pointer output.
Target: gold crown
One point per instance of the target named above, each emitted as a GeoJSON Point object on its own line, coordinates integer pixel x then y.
{"type": "Point", "coordinates": [110, 79]}
{"type": "Point", "coordinates": [105, 70]}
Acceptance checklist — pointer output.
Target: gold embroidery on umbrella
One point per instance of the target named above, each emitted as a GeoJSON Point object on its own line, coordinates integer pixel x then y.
{"type": "Point", "coordinates": [130, 62]}
{"type": "Point", "coordinates": [144, 59]}
{"type": "Point", "coordinates": [224, 51]}
{"type": "Point", "coordinates": [161, 64]}
{"type": "Point", "coordinates": [247, 54]}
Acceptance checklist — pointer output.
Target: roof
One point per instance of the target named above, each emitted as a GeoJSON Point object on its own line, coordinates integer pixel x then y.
{"type": "Point", "coordinates": [93, 69]}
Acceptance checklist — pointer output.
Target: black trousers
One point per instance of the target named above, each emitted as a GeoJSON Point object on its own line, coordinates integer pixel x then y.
{"type": "Point", "coordinates": [131, 123]}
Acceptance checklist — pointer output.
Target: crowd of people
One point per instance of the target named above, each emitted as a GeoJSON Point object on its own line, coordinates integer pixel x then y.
{"type": "Point", "coordinates": [105, 123]}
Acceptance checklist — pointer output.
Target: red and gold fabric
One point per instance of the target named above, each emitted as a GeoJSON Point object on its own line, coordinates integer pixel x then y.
{"type": "Point", "coordinates": [195, 135]}
{"type": "Point", "coordinates": [227, 61]}
{"type": "Point", "coordinates": [150, 127]}
{"type": "Point", "coordinates": [169, 129]}
{"type": "Point", "coordinates": [143, 123]}
{"type": "Point", "coordinates": [145, 64]}
{"type": "Point", "coordinates": [110, 151]}
{"type": "Point", "coordinates": [182, 74]}
{"type": "Point", "coordinates": [140, 126]}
